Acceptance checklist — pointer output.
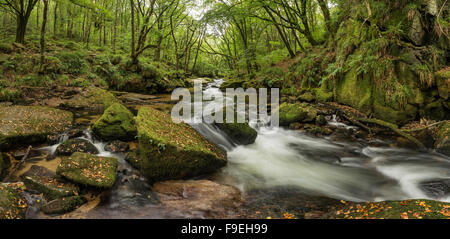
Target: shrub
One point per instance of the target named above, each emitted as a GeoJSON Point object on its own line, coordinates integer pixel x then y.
{"type": "Point", "coordinates": [272, 77]}
{"type": "Point", "coordinates": [73, 63]}
{"type": "Point", "coordinates": [80, 82]}
{"type": "Point", "coordinates": [52, 65]}
{"type": "Point", "coordinates": [10, 94]}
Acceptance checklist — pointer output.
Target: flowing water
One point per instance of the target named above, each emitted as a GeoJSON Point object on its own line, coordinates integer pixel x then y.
{"type": "Point", "coordinates": [283, 166]}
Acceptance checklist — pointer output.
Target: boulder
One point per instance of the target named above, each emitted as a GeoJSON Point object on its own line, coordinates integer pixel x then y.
{"type": "Point", "coordinates": [438, 188]}
{"type": "Point", "coordinates": [91, 99]}
{"type": "Point", "coordinates": [242, 134]}
{"type": "Point", "coordinates": [117, 146]}
{"type": "Point", "coordinates": [232, 84]}
{"type": "Point", "coordinates": [443, 139]}
{"type": "Point", "coordinates": [41, 180]}
{"type": "Point", "coordinates": [116, 123]}
{"type": "Point", "coordinates": [308, 97]}
{"type": "Point", "coordinates": [63, 205]}
{"type": "Point", "coordinates": [85, 169]}
{"type": "Point", "coordinates": [25, 125]}
{"type": "Point", "coordinates": [174, 151]}
{"type": "Point", "coordinates": [71, 146]}
{"type": "Point", "coordinates": [12, 204]}
{"type": "Point", "coordinates": [200, 199]}
{"type": "Point", "coordinates": [296, 113]}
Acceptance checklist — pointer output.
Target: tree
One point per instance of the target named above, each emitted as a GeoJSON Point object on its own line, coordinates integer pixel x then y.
{"type": "Point", "coordinates": [22, 10]}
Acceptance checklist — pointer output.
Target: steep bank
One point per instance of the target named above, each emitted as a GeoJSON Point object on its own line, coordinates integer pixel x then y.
{"type": "Point", "coordinates": [388, 59]}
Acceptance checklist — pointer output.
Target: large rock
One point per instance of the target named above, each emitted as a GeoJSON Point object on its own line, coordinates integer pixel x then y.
{"type": "Point", "coordinates": [12, 204]}
{"type": "Point", "coordinates": [25, 125]}
{"type": "Point", "coordinates": [443, 139]}
{"type": "Point", "coordinates": [63, 205]}
{"type": "Point", "coordinates": [232, 84]}
{"type": "Point", "coordinates": [296, 113]}
{"type": "Point", "coordinates": [174, 151]}
{"type": "Point", "coordinates": [241, 133]}
{"type": "Point", "coordinates": [200, 199]}
{"type": "Point", "coordinates": [71, 146]}
{"type": "Point", "coordinates": [41, 180]}
{"type": "Point", "coordinates": [92, 99]}
{"type": "Point", "coordinates": [85, 169]}
{"type": "Point", "coordinates": [116, 123]}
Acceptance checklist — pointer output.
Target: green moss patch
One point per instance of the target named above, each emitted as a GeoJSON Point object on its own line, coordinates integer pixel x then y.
{"type": "Point", "coordinates": [85, 169]}
{"type": "Point", "coordinates": [63, 205]}
{"type": "Point", "coordinates": [117, 122]}
{"type": "Point", "coordinates": [443, 139]}
{"type": "Point", "coordinates": [174, 151]}
{"type": "Point", "coordinates": [92, 99]}
{"type": "Point", "coordinates": [41, 180]}
{"type": "Point", "coordinates": [24, 125]}
{"type": "Point", "coordinates": [410, 209]}
{"type": "Point", "coordinates": [296, 113]}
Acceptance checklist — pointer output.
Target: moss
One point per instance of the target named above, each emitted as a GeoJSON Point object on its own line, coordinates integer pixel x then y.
{"type": "Point", "coordinates": [50, 187]}
{"type": "Point", "coordinates": [308, 97]}
{"type": "Point", "coordinates": [410, 209]}
{"type": "Point", "coordinates": [443, 82]}
{"type": "Point", "coordinates": [134, 159]}
{"type": "Point", "coordinates": [443, 139]}
{"type": "Point", "coordinates": [435, 111]}
{"type": "Point", "coordinates": [63, 205]}
{"type": "Point", "coordinates": [117, 122]}
{"type": "Point", "coordinates": [323, 95]}
{"type": "Point", "coordinates": [25, 125]}
{"type": "Point", "coordinates": [71, 146]}
{"type": "Point", "coordinates": [85, 169]}
{"type": "Point", "coordinates": [12, 204]}
{"type": "Point", "coordinates": [232, 84]}
{"type": "Point", "coordinates": [6, 48]}
{"type": "Point", "coordinates": [393, 116]}
{"type": "Point", "coordinates": [73, 63]}
{"type": "Point", "coordinates": [10, 95]}
{"type": "Point", "coordinates": [92, 99]}
{"type": "Point", "coordinates": [174, 151]}
{"type": "Point", "coordinates": [296, 113]}
{"type": "Point", "coordinates": [242, 133]}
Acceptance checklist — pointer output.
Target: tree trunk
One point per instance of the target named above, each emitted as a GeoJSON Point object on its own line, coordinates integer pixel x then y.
{"type": "Point", "coordinates": [55, 18]}
{"type": "Point", "coordinates": [44, 24]}
{"type": "Point", "coordinates": [22, 22]}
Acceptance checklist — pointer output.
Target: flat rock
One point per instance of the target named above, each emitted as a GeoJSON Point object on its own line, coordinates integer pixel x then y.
{"type": "Point", "coordinates": [85, 169]}
{"type": "Point", "coordinates": [25, 125]}
{"type": "Point", "coordinates": [200, 199]}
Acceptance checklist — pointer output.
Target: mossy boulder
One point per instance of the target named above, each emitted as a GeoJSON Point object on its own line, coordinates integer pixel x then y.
{"type": "Point", "coordinates": [308, 97]}
{"type": "Point", "coordinates": [12, 204]}
{"type": "Point", "coordinates": [174, 151]}
{"type": "Point", "coordinates": [296, 113]}
{"type": "Point", "coordinates": [71, 146]}
{"type": "Point", "coordinates": [443, 83]}
{"type": "Point", "coordinates": [232, 84]}
{"type": "Point", "coordinates": [25, 125]}
{"type": "Point", "coordinates": [41, 180]}
{"type": "Point", "coordinates": [85, 169]}
{"type": "Point", "coordinates": [63, 205]}
{"type": "Point", "coordinates": [443, 139]}
{"type": "Point", "coordinates": [241, 133]}
{"type": "Point", "coordinates": [116, 123]}
{"type": "Point", "coordinates": [91, 99]}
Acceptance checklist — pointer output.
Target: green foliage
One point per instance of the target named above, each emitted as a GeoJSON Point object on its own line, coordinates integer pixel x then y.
{"type": "Point", "coordinates": [81, 82]}
{"type": "Point", "coordinates": [272, 77]}
{"type": "Point", "coordinates": [73, 63]}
